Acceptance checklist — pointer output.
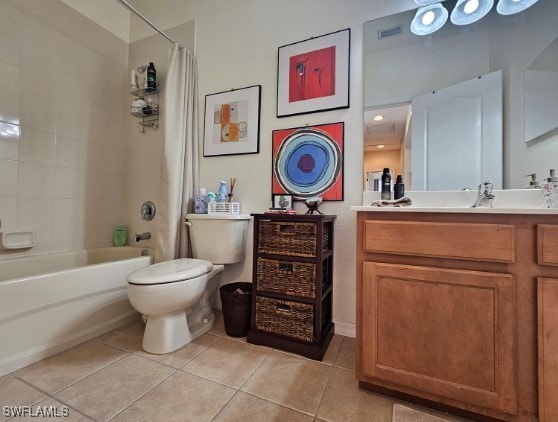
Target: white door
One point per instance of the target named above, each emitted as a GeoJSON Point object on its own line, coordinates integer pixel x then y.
{"type": "Point", "coordinates": [457, 135]}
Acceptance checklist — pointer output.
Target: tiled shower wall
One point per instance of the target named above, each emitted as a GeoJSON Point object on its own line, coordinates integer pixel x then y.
{"type": "Point", "coordinates": [63, 112]}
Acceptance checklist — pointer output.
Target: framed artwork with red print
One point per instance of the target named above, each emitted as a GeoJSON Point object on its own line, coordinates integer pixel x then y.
{"type": "Point", "coordinates": [313, 75]}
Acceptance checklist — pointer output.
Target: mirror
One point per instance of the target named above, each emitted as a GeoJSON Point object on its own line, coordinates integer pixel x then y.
{"type": "Point", "coordinates": [541, 94]}
{"type": "Point", "coordinates": [400, 66]}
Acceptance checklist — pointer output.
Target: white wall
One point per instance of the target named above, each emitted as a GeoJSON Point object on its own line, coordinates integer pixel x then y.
{"type": "Point", "coordinates": [236, 43]}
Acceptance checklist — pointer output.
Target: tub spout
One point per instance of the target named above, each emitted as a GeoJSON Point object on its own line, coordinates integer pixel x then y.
{"type": "Point", "coordinates": [143, 236]}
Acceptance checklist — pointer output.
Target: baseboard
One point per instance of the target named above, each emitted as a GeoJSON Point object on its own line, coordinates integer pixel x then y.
{"type": "Point", "coordinates": [347, 329]}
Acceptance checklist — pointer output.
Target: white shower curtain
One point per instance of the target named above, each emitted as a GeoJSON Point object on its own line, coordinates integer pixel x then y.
{"type": "Point", "coordinates": [180, 167]}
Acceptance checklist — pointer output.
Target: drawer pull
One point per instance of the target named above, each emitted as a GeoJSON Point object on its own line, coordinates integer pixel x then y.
{"type": "Point", "coordinates": [287, 229]}
{"type": "Point", "coordinates": [283, 309]}
{"type": "Point", "coordinates": [285, 267]}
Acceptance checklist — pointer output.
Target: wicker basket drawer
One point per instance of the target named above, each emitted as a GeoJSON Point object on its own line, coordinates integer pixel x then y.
{"type": "Point", "coordinates": [287, 238]}
{"type": "Point", "coordinates": [286, 277]}
{"type": "Point", "coordinates": [285, 318]}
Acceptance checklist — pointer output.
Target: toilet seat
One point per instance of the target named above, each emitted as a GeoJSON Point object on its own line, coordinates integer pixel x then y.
{"type": "Point", "coordinates": [170, 271]}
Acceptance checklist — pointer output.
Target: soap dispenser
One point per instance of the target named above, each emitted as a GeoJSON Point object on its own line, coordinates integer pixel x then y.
{"type": "Point", "coordinates": [533, 183]}
{"type": "Point", "coordinates": [550, 191]}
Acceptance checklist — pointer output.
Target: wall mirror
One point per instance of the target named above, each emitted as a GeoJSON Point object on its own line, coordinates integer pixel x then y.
{"type": "Point", "coordinates": [469, 135]}
{"type": "Point", "coordinates": [541, 94]}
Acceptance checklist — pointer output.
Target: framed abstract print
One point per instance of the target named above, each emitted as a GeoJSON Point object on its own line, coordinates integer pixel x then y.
{"type": "Point", "coordinates": [308, 161]}
{"type": "Point", "coordinates": [313, 75]}
{"type": "Point", "coordinates": [232, 122]}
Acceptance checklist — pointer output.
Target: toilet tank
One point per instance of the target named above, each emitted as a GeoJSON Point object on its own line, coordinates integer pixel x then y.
{"type": "Point", "coordinates": [219, 238]}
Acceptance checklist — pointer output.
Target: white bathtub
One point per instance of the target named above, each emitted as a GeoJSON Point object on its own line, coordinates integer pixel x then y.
{"type": "Point", "coordinates": [51, 302]}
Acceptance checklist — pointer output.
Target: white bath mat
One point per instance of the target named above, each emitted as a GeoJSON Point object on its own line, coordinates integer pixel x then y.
{"type": "Point", "coordinates": [406, 414]}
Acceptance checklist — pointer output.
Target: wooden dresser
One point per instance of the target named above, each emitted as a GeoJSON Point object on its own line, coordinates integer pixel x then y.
{"type": "Point", "coordinates": [447, 311]}
{"type": "Point", "coordinates": [292, 286]}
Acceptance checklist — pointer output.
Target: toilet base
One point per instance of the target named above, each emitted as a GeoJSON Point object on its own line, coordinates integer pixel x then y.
{"type": "Point", "coordinates": [170, 332]}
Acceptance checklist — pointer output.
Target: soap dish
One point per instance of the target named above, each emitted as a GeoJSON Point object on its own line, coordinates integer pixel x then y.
{"type": "Point", "coordinates": [17, 240]}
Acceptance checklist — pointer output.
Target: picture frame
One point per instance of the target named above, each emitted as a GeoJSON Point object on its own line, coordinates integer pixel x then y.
{"type": "Point", "coordinates": [313, 75]}
{"type": "Point", "coordinates": [232, 122]}
{"type": "Point", "coordinates": [308, 162]}
{"type": "Point", "coordinates": [283, 201]}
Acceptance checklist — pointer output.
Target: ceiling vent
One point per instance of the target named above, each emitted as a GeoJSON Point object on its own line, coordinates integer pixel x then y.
{"type": "Point", "coordinates": [383, 128]}
{"type": "Point", "coordinates": [384, 33]}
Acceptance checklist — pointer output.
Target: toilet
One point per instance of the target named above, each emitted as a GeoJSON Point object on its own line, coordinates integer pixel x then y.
{"type": "Point", "coordinates": [174, 295]}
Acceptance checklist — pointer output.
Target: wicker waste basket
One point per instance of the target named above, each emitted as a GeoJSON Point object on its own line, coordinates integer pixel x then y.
{"type": "Point", "coordinates": [236, 299]}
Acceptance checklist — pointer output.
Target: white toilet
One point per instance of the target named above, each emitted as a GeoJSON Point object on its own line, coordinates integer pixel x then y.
{"type": "Point", "coordinates": [174, 295]}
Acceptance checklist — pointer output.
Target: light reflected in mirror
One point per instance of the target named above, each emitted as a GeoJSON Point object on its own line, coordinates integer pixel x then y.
{"type": "Point", "coordinates": [401, 67]}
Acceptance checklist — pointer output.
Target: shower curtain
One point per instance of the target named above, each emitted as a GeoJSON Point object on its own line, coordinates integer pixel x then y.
{"type": "Point", "coordinates": [180, 167]}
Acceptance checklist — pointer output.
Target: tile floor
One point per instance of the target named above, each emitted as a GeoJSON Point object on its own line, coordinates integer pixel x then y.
{"type": "Point", "coordinates": [214, 378]}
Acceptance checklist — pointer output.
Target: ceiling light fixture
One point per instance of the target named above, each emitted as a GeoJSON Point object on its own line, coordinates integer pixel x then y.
{"type": "Point", "coordinates": [429, 19]}
{"type": "Point", "coordinates": [509, 7]}
{"type": "Point", "coordinates": [378, 118]}
{"type": "Point", "coordinates": [381, 146]}
{"type": "Point", "coordinates": [470, 11]}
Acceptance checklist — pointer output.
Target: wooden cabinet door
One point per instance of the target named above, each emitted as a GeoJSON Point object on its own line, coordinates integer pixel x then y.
{"type": "Point", "coordinates": [548, 349]}
{"type": "Point", "coordinates": [440, 331]}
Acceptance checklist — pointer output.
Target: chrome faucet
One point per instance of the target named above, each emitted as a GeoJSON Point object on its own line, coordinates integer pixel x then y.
{"type": "Point", "coordinates": [484, 194]}
{"type": "Point", "coordinates": [143, 236]}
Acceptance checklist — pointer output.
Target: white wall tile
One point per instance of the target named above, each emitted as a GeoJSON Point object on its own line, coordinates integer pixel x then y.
{"type": "Point", "coordinates": [70, 121]}
{"type": "Point", "coordinates": [9, 104]}
{"type": "Point", "coordinates": [35, 180]}
{"type": "Point", "coordinates": [68, 239]}
{"type": "Point", "coordinates": [36, 146]}
{"type": "Point", "coordinates": [8, 212]}
{"type": "Point", "coordinates": [34, 213]}
{"type": "Point", "coordinates": [71, 152]}
{"type": "Point", "coordinates": [9, 141]}
{"type": "Point", "coordinates": [69, 183]}
{"type": "Point", "coordinates": [38, 112]}
{"type": "Point", "coordinates": [68, 213]}
{"type": "Point", "coordinates": [8, 177]}
{"type": "Point", "coordinates": [9, 73]}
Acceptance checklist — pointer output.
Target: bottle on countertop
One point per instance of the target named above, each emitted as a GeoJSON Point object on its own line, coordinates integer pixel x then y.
{"type": "Point", "coordinates": [201, 202]}
{"type": "Point", "coordinates": [386, 185]}
{"type": "Point", "coordinates": [151, 79]}
{"type": "Point", "coordinates": [119, 235]}
{"type": "Point", "coordinates": [399, 188]}
{"type": "Point", "coordinates": [550, 191]}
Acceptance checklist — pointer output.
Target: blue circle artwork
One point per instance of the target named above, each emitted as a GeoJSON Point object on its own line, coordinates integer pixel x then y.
{"type": "Point", "coordinates": [307, 163]}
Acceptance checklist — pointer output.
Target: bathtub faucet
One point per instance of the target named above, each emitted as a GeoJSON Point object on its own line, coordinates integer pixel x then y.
{"type": "Point", "coordinates": [143, 236]}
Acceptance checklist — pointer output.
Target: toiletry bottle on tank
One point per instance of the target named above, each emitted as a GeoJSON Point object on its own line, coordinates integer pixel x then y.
{"type": "Point", "coordinates": [398, 188]}
{"type": "Point", "coordinates": [386, 185]}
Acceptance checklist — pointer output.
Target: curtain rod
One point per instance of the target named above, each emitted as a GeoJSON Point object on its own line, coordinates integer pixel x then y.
{"type": "Point", "coordinates": [147, 21]}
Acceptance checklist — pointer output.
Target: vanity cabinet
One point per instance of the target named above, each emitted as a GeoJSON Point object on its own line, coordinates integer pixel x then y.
{"type": "Point", "coordinates": [292, 285]}
{"type": "Point", "coordinates": [447, 311]}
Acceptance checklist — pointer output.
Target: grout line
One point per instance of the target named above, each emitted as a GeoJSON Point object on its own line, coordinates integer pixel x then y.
{"type": "Point", "coordinates": [225, 405]}
{"type": "Point", "coordinates": [144, 394]}
{"type": "Point", "coordinates": [323, 392]}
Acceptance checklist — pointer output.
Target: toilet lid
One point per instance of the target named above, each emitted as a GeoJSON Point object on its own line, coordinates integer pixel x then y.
{"type": "Point", "coordinates": [171, 271]}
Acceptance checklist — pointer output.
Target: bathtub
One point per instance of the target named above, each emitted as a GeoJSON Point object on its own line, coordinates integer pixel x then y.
{"type": "Point", "coordinates": [51, 302]}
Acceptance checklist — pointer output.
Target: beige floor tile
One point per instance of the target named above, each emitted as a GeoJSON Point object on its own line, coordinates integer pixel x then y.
{"type": "Point", "coordinates": [58, 371]}
{"type": "Point", "coordinates": [332, 349]}
{"type": "Point", "coordinates": [14, 392]}
{"type": "Point", "coordinates": [289, 380]}
{"type": "Point", "coordinates": [181, 397]}
{"type": "Point", "coordinates": [246, 407]}
{"type": "Point", "coordinates": [227, 361]}
{"type": "Point", "coordinates": [109, 391]}
{"type": "Point", "coordinates": [185, 354]}
{"type": "Point", "coordinates": [127, 338]}
{"type": "Point", "coordinates": [346, 357]}
{"type": "Point", "coordinates": [51, 409]}
{"type": "Point", "coordinates": [345, 401]}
